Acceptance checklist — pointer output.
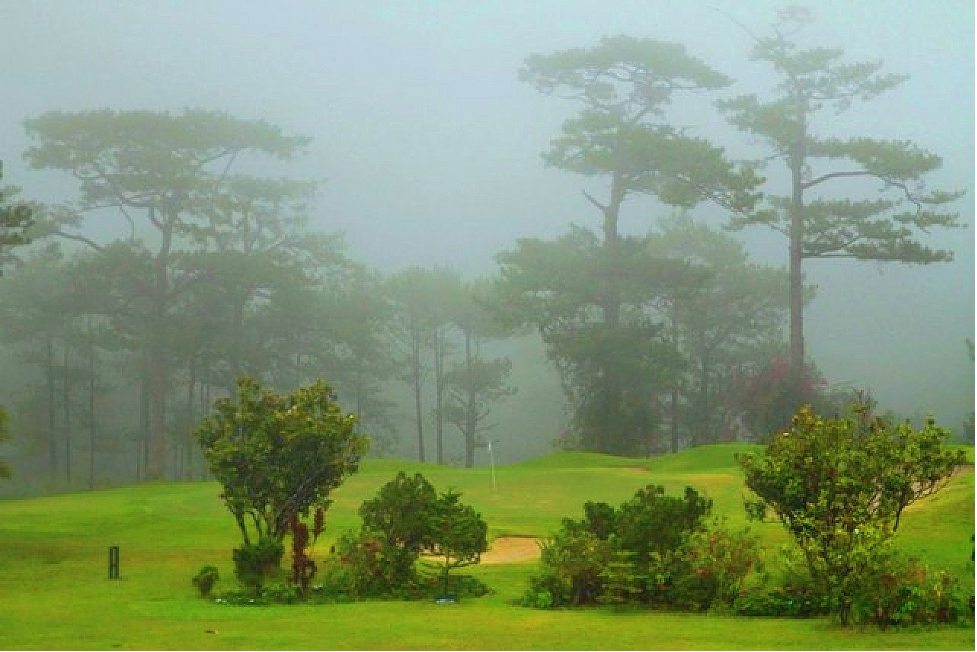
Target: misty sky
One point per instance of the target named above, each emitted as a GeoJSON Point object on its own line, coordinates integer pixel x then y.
{"type": "Point", "coordinates": [430, 146]}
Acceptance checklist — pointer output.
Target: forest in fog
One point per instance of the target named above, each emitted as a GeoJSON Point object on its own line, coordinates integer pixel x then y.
{"type": "Point", "coordinates": [493, 232]}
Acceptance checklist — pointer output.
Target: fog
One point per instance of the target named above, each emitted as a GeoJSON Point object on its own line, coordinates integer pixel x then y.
{"type": "Point", "coordinates": [429, 145]}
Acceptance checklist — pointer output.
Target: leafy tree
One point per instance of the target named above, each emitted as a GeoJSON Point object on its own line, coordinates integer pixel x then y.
{"type": "Point", "coordinates": [399, 518]}
{"type": "Point", "coordinates": [622, 135]}
{"type": "Point", "coordinates": [423, 300]}
{"type": "Point", "coordinates": [86, 310]}
{"type": "Point", "coordinates": [475, 383]}
{"type": "Point", "coordinates": [764, 399]}
{"type": "Point", "coordinates": [408, 518]}
{"type": "Point", "coordinates": [36, 314]}
{"type": "Point", "coordinates": [362, 361]}
{"type": "Point", "coordinates": [726, 323]}
{"type": "Point", "coordinates": [15, 219]}
{"type": "Point", "coordinates": [840, 486]}
{"type": "Point", "coordinates": [458, 535]}
{"type": "Point", "coordinates": [413, 333]}
{"type": "Point", "coordinates": [814, 86]}
{"type": "Point", "coordinates": [446, 295]}
{"type": "Point", "coordinates": [559, 287]}
{"type": "Point", "coordinates": [254, 250]}
{"type": "Point", "coordinates": [173, 171]}
{"type": "Point", "coordinates": [278, 455]}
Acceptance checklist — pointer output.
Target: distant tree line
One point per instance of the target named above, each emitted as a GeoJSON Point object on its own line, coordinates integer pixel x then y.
{"type": "Point", "coordinates": [176, 269]}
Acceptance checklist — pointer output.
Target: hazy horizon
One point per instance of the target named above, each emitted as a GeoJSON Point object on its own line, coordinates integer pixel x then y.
{"type": "Point", "coordinates": [430, 145]}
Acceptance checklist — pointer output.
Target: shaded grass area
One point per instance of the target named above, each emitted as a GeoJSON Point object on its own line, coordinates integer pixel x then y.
{"type": "Point", "coordinates": [56, 595]}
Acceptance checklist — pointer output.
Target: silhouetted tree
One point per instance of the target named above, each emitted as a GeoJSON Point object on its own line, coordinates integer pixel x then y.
{"type": "Point", "coordinates": [15, 219]}
{"type": "Point", "coordinates": [168, 170]}
{"type": "Point", "coordinates": [815, 85]}
{"type": "Point", "coordinates": [622, 135]}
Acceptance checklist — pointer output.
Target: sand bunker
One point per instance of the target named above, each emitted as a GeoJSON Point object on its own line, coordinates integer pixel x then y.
{"type": "Point", "coordinates": [506, 550]}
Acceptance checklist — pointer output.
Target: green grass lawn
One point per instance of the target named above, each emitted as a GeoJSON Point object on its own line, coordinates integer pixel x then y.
{"type": "Point", "coordinates": [54, 591]}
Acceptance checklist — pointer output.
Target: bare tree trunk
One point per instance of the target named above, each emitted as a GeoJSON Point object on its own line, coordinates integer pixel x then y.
{"type": "Point", "coordinates": [51, 410]}
{"type": "Point", "coordinates": [674, 423]}
{"type": "Point", "coordinates": [156, 446]}
{"type": "Point", "coordinates": [471, 414]}
{"type": "Point", "coordinates": [704, 419]}
{"type": "Point", "coordinates": [796, 214]}
{"type": "Point", "coordinates": [237, 338]}
{"type": "Point", "coordinates": [416, 362]}
{"type": "Point", "coordinates": [439, 392]}
{"type": "Point", "coordinates": [142, 444]}
{"type": "Point", "coordinates": [611, 308]}
{"type": "Point", "coordinates": [158, 373]}
{"type": "Point", "coordinates": [191, 416]}
{"type": "Point", "coordinates": [66, 411]}
{"type": "Point", "coordinates": [92, 428]}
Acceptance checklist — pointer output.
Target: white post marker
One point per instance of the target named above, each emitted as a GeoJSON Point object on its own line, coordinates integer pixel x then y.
{"type": "Point", "coordinates": [492, 462]}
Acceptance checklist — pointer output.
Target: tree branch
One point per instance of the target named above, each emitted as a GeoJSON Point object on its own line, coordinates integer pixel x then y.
{"type": "Point", "coordinates": [835, 175]}
{"type": "Point", "coordinates": [79, 238]}
{"type": "Point", "coordinates": [811, 250]}
{"type": "Point", "coordinates": [910, 197]}
{"type": "Point", "coordinates": [593, 201]}
{"type": "Point", "coordinates": [729, 17]}
{"type": "Point", "coordinates": [227, 169]}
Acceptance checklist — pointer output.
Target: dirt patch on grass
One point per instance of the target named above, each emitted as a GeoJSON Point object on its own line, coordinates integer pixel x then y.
{"type": "Point", "coordinates": [507, 550]}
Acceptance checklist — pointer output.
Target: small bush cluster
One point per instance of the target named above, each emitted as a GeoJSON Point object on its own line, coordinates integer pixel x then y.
{"type": "Point", "coordinates": [409, 527]}
{"type": "Point", "coordinates": [255, 563]}
{"type": "Point", "coordinates": [899, 591]}
{"type": "Point", "coordinates": [653, 549]}
{"type": "Point", "coordinates": [896, 592]}
{"type": "Point", "coordinates": [205, 579]}
{"type": "Point", "coordinates": [840, 487]}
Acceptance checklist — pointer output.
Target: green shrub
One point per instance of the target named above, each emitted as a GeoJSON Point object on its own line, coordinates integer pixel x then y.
{"type": "Point", "coordinates": [276, 594]}
{"type": "Point", "coordinates": [406, 518]}
{"type": "Point", "coordinates": [467, 586]}
{"type": "Point", "coordinates": [653, 522]}
{"type": "Point", "coordinates": [281, 594]}
{"type": "Point", "coordinates": [840, 487]}
{"type": "Point", "coordinates": [623, 581]}
{"type": "Point", "coordinates": [537, 597]}
{"type": "Point", "coordinates": [396, 528]}
{"type": "Point", "coordinates": [720, 562]}
{"type": "Point", "coordinates": [205, 579]}
{"type": "Point", "coordinates": [642, 552]}
{"type": "Point", "coordinates": [458, 536]}
{"type": "Point", "coordinates": [368, 569]}
{"type": "Point", "coordinates": [779, 602]}
{"type": "Point", "coordinates": [899, 591]}
{"type": "Point", "coordinates": [570, 567]}
{"type": "Point", "coordinates": [973, 558]}
{"type": "Point", "coordinates": [255, 563]}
